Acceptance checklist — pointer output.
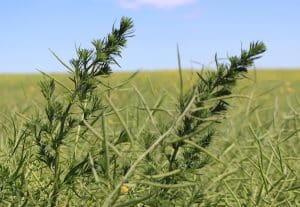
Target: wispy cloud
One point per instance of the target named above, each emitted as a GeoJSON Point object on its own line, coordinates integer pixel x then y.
{"type": "Point", "coordinates": [161, 4]}
{"type": "Point", "coordinates": [193, 15]}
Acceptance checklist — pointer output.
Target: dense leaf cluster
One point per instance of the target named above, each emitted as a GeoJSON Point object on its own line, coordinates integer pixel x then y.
{"type": "Point", "coordinates": [211, 92]}
{"type": "Point", "coordinates": [64, 115]}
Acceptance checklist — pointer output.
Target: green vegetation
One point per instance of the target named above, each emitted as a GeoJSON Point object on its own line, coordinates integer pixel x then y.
{"type": "Point", "coordinates": [187, 138]}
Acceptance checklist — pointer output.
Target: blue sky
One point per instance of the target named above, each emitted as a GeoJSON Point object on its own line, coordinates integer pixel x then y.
{"type": "Point", "coordinates": [200, 27]}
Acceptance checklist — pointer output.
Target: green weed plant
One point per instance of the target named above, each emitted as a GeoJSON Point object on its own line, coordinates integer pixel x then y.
{"type": "Point", "coordinates": [68, 153]}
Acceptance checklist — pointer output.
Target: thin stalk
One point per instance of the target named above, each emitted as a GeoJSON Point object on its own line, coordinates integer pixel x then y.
{"type": "Point", "coordinates": [133, 202]}
{"type": "Point", "coordinates": [176, 146]}
{"type": "Point", "coordinates": [106, 152]}
{"type": "Point", "coordinates": [57, 145]}
{"type": "Point", "coordinates": [131, 170]}
{"type": "Point", "coordinates": [260, 158]}
{"type": "Point", "coordinates": [157, 104]}
{"type": "Point", "coordinates": [174, 154]}
{"type": "Point", "coordinates": [167, 186]}
{"type": "Point", "coordinates": [163, 175]}
{"type": "Point", "coordinates": [120, 119]}
{"type": "Point", "coordinates": [57, 81]}
{"type": "Point", "coordinates": [101, 138]}
{"type": "Point", "coordinates": [181, 101]}
{"type": "Point", "coordinates": [233, 194]}
{"type": "Point", "coordinates": [97, 179]}
{"type": "Point", "coordinates": [202, 149]}
{"type": "Point", "coordinates": [147, 109]}
{"type": "Point", "coordinates": [55, 190]}
{"type": "Point", "coordinates": [78, 130]}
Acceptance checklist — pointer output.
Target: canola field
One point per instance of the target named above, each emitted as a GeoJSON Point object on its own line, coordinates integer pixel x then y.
{"type": "Point", "coordinates": [255, 153]}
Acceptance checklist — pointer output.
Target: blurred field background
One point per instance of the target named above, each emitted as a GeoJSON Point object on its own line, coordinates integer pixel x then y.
{"type": "Point", "coordinates": [21, 91]}
{"type": "Point", "coordinates": [269, 88]}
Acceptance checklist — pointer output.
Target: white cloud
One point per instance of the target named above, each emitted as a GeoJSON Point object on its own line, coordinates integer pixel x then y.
{"type": "Point", "coordinates": [161, 4]}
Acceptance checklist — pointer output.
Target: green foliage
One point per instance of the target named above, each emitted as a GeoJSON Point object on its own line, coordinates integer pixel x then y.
{"type": "Point", "coordinates": [63, 115]}
{"type": "Point", "coordinates": [211, 92]}
{"type": "Point", "coordinates": [85, 147]}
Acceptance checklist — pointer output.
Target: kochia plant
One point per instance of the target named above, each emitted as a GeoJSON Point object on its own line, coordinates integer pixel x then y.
{"type": "Point", "coordinates": [64, 116]}
{"type": "Point", "coordinates": [210, 93]}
